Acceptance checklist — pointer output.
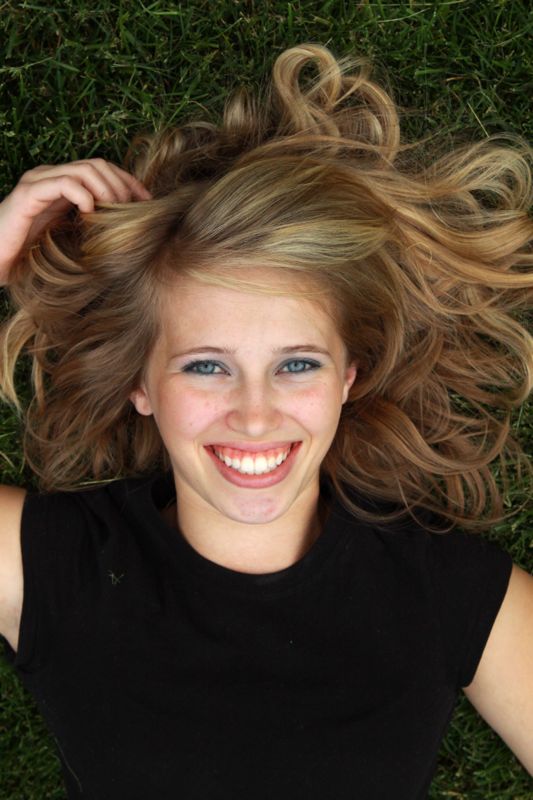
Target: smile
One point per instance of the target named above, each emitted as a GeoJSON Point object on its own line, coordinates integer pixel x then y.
{"type": "Point", "coordinates": [253, 471]}
{"type": "Point", "coordinates": [252, 464]}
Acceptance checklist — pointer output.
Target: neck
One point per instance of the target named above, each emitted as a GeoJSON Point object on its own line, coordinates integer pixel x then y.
{"type": "Point", "coordinates": [254, 549]}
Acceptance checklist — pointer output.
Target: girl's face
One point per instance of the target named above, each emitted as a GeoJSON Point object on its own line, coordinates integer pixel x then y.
{"type": "Point", "coordinates": [240, 372]}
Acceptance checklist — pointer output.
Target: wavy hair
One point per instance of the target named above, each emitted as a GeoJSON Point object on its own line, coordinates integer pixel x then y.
{"type": "Point", "coordinates": [424, 257]}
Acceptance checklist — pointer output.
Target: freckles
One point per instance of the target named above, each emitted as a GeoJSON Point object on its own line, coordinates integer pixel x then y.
{"type": "Point", "coordinates": [210, 407]}
{"type": "Point", "coordinates": [199, 411]}
{"type": "Point", "coordinates": [321, 409]}
{"type": "Point", "coordinates": [315, 399]}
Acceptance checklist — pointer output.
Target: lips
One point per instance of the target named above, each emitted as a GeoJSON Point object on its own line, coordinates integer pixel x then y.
{"type": "Point", "coordinates": [255, 481]}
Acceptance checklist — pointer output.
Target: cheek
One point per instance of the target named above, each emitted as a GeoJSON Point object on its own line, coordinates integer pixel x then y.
{"type": "Point", "coordinates": [317, 408]}
{"type": "Point", "coordinates": [186, 412]}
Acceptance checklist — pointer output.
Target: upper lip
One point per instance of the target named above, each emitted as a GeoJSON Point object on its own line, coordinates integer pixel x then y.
{"type": "Point", "coordinates": [252, 447]}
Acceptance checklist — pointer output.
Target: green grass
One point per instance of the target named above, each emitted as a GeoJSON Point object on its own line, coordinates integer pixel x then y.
{"type": "Point", "coordinates": [79, 78]}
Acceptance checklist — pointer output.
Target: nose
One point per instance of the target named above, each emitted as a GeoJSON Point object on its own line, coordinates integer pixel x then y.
{"type": "Point", "coordinates": [254, 410]}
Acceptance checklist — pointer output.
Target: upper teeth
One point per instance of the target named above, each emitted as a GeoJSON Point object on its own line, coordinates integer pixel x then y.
{"type": "Point", "coordinates": [253, 465]}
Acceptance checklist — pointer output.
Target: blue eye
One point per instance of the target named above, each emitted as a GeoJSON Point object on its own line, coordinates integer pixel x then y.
{"type": "Point", "coordinates": [196, 367]}
{"type": "Point", "coordinates": [311, 364]}
{"type": "Point", "coordinates": [191, 367]}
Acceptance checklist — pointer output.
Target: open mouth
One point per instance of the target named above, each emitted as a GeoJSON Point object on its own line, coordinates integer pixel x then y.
{"type": "Point", "coordinates": [243, 473]}
{"type": "Point", "coordinates": [259, 463]}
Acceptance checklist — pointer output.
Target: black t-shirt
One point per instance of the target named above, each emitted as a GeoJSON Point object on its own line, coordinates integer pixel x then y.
{"type": "Point", "coordinates": [164, 675]}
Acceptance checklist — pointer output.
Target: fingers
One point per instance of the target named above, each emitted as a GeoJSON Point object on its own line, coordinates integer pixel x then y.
{"type": "Point", "coordinates": [106, 182]}
{"type": "Point", "coordinates": [137, 188]}
{"type": "Point", "coordinates": [48, 190]}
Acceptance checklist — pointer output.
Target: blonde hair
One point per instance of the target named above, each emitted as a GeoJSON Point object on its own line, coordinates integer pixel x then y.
{"type": "Point", "coordinates": [425, 261]}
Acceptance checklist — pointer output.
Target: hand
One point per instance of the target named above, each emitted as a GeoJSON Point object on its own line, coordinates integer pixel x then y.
{"type": "Point", "coordinates": [46, 192]}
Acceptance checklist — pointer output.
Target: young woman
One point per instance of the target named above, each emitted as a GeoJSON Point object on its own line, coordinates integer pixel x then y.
{"type": "Point", "coordinates": [266, 359]}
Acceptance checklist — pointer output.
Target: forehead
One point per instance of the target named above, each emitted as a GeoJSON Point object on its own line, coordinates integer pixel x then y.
{"type": "Point", "coordinates": [191, 308]}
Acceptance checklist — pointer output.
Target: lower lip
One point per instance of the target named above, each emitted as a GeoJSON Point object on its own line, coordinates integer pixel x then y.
{"type": "Point", "coordinates": [255, 481]}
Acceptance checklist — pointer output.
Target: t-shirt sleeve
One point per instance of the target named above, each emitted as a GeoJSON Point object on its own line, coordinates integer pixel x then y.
{"type": "Point", "coordinates": [470, 576]}
{"type": "Point", "coordinates": [58, 557]}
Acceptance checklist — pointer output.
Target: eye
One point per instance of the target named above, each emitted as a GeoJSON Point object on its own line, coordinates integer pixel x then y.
{"type": "Point", "coordinates": [192, 367]}
{"type": "Point", "coordinates": [206, 367]}
{"type": "Point", "coordinates": [307, 363]}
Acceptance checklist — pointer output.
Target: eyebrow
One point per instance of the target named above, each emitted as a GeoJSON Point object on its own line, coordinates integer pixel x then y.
{"type": "Point", "coordinates": [310, 348]}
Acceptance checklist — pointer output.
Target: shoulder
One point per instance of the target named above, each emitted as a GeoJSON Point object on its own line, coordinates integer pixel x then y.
{"type": "Point", "coordinates": [42, 528]}
{"type": "Point", "coordinates": [74, 512]}
{"type": "Point", "coordinates": [53, 544]}
{"type": "Point", "coordinates": [11, 573]}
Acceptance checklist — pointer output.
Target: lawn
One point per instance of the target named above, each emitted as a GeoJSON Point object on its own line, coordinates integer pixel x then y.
{"type": "Point", "coordinates": [80, 78]}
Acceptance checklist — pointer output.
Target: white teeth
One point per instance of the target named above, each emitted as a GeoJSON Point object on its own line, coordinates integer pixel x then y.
{"type": "Point", "coordinates": [251, 466]}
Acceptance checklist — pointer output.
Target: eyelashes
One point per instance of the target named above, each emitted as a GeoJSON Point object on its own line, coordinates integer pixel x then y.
{"type": "Point", "coordinates": [191, 368]}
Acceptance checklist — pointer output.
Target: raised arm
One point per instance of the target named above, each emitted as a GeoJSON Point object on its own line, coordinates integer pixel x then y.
{"type": "Point", "coordinates": [42, 195]}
